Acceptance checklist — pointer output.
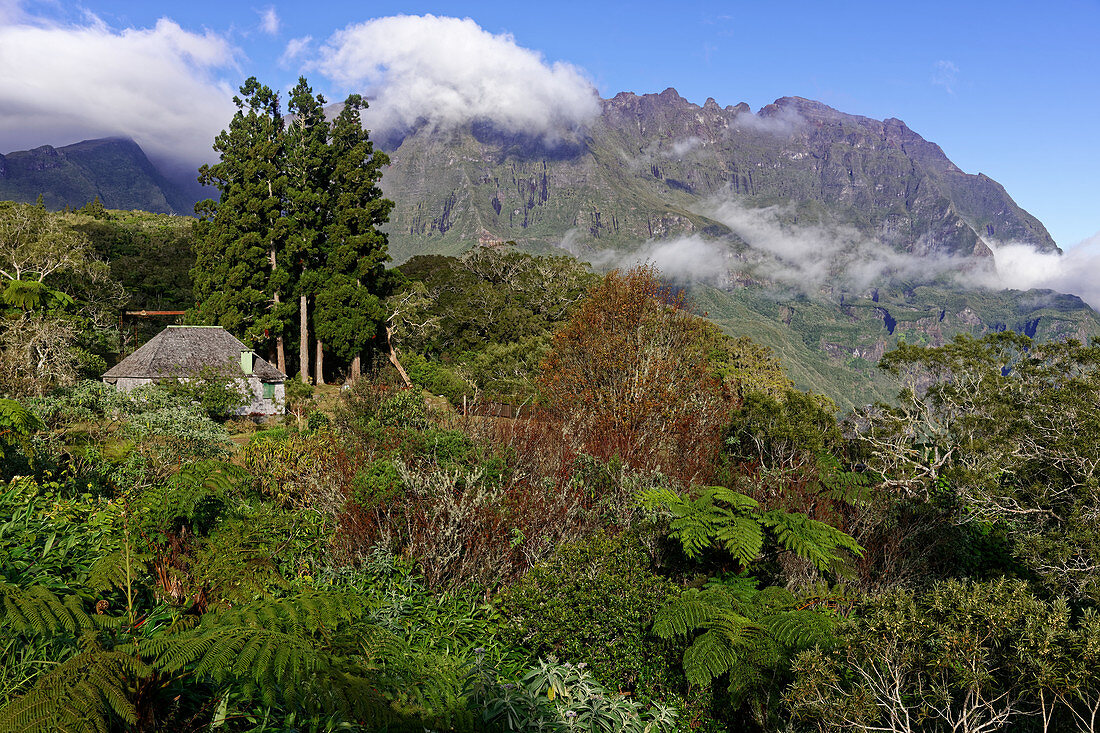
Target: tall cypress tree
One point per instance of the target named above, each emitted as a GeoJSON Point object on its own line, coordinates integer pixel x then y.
{"type": "Point", "coordinates": [349, 312]}
{"type": "Point", "coordinates": [309, 166]}
{"type": "Point", "coordinates": [298, 216]}
{"type": "Point", "coordinates": [236, 280]}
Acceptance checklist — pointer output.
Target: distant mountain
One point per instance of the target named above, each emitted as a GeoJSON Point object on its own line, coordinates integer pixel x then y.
{"type": "Point", "coordinates": [114, 169]}
{"type": "Point", "coordinates": [651, 165]}
{"type": "Point", "coordinates": [655, 168]}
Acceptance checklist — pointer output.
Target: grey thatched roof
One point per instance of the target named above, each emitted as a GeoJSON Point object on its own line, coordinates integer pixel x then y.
{"type": "Point", "coordinates": [181, 351]}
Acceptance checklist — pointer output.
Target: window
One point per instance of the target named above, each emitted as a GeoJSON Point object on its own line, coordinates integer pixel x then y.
{"type": "Point", "coordinates": [269, 391]}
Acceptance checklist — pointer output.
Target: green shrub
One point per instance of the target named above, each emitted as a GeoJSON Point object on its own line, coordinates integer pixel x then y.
{"type": "Point", "coordinates": [593, 602]}
{"type": "Point", "coordinates": [435, 377]}
{"type": "Point", "coordinates": [377, 484]}
{"type": "Point", "coordinates": [404, 409]}
{"type": "Point", "coordinates": [271, 434]}
{"type": "Point", "coordinates": [317, 421]}
{"type": "Point", "coordinates": [218, 395]}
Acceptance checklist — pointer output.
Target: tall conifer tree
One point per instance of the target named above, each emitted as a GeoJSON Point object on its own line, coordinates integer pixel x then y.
{"type": "Point", "coordinates": [349, 312]}
{"type": "Point", "coordinates": [309, 165]}
{"type": "Point", "coordinates": [298, 216]}
{"type": "Point", "coordinates": [237, 283]}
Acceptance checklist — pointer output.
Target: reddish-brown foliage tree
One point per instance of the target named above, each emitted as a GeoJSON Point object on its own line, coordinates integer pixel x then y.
{"type": "Point", "coordinates": [630, 377]}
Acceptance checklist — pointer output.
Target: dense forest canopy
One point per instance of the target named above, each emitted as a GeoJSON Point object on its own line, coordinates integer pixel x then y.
{"type": "Point", "coordinates": [665, 534]}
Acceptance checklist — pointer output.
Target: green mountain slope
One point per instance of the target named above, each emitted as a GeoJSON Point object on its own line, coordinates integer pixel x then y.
{"type": "Point", "coordinates": [114, 169]}
{"type": "Point", "coordinates": [832, 344]}
{"type": "Point", "coordinates": [656, 167]}
{"type": "Point", "coordinates": [650, 167]}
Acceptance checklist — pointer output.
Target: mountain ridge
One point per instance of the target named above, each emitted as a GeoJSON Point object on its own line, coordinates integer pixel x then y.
{"type": "Point", "coordinates": [645, 166]}
{"type": "Point", "coordinates": [115, 169]}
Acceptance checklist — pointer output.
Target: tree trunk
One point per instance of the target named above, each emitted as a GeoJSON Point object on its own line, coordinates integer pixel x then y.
{"type": "Point", "coordinates": [303, 349]}
{"type": "Point", "coordinates": [280, 350]}
{"type": "Point", "coordinates": [393, 358]}
{"type": "Point", "coordinates": [356, 370]}
{"type": "Point", "coordinates": [319, 367]}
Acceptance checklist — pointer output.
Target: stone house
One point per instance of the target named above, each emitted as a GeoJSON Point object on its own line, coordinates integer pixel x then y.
{"type": "Point", "coordinates": [183, 352]}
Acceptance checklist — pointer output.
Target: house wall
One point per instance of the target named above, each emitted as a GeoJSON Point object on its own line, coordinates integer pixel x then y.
{"type": "Point", "coordinates": [251, 386]}
{"type": "Point", "coordinates": [258, 405]}
{"type": "Point", "coordinates": [125, 384]}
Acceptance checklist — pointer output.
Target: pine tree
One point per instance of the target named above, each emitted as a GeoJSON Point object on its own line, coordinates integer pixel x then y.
{"type": "Point", "coordinates": [349, 311]}
{"type": "Point", "coordinates": [237, 282]}
{"type": "Point", "coordinates": [309, 165]}
{"type": "Point", "coordinates": [298, 215]}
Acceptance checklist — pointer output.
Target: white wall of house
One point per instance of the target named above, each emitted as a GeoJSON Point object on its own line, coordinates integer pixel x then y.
{"type": "Point", "coordinates": [259, 402]}
{"type": "Point", "coordinates": [269, 401]}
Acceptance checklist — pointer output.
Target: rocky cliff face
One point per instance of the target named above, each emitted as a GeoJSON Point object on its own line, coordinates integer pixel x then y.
{"type": "Point", "coordinates": [114, 169]}
{"type": "Point", "coordinates": [657, 167]}
{"type": "Point", "coordinates": [651, 166]}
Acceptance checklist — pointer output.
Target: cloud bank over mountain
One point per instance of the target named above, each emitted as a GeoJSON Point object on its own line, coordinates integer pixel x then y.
{"type": "Point", "coordinates": [806, 258]}
{"type": "Point", "coordinates": [1020, 267]}
{"type": "Point", "coordinates": [159, 85]}
{"type": "Point", "coordinates": [448, 71]}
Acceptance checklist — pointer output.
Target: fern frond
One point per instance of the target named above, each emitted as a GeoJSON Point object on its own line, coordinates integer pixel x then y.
{"type": "Point", "coordinates": [86, 693]}
{"type": "Point", "coordinates": [712, 654]}
{"type": "Point", "coordinates": [16, 421]}
{"type": "Point", "coordinates": [108, 571]}
{"type": "Point", "coordinates": [799, 629]}
{"type": "Point", "coordinates": [810, 539]}
{"type": "Point", "coordinates": [738, 501]}
{"type": "Point", "coordinates": [36, 611]}
{"type": "Point", "coordinates": [693, 609]}
{"type": "Point", "coordinates": [743, 538]}
{"type": "Point", "coordinates": [660, 496]}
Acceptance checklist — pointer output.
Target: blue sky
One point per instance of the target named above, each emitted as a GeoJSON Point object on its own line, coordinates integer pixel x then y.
{"type": "Point", "coordinates": [1006, 89]}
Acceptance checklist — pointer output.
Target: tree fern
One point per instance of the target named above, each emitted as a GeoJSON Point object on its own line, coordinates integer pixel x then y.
{"type": "Point", "coordinates": [84, 693]}
{"type": "Point", "coordinates": [279, 651]}
{"type": "Point", "coordinates": [38, 611]}
{"type": "Point", "coordinates": [722, 518]}
{"type": "Point", "coordinates": [746, 635]}
{"type": "Point", "coordinates": [17, 424]}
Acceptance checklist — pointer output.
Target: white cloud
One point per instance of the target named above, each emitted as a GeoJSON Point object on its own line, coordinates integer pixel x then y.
{"type": "Point", "coordinates": [945, 74]}
{"type": "Point", "coordinates": [682, 147]}
{"type": "Point", "coordinates": [11, 11]}
{"type": "Point", "coordinates": [269, 21]}
{"type": "Point", "coordinates": [156, 85]}
{"type": "Point", "coordinates": [1021, 267]}
{"type": "Point", "coordinates": [295, 48]}
{"type": "Point", "coordinates": [447, 71]}
{"type": "Point", "coordinates": [810, 256]}
{"type": "Point", "coordinates": [683, 259]}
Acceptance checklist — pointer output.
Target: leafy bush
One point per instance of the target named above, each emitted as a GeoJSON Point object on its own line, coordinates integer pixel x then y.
{"type": "Point", "coordinates": [553, 695]}
{"type": "Point", "coordinates": [404, 409]}
{"type": "Point", "coordinates": [630, 376]}
{"type": "Point", "coordinates": [377, 484]}
{"type": "Point", "coordinates": [219, 396]}
{"type": "Point", "coordinates": [305, 470]}
{"type": "Point", "coordinates": [463, 523]}
{"type": "Point", "coordinates": [593, 602]}
{"type": "Point", "coordinates": [991, 654]}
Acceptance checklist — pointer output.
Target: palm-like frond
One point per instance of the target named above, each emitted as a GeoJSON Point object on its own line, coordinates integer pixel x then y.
{"type": "Point", "coordinates": [86, 693]}
{"type": "Point", "coordinates": [37, 611]}
{"type": "Point", "coordinates": [721, 517]}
